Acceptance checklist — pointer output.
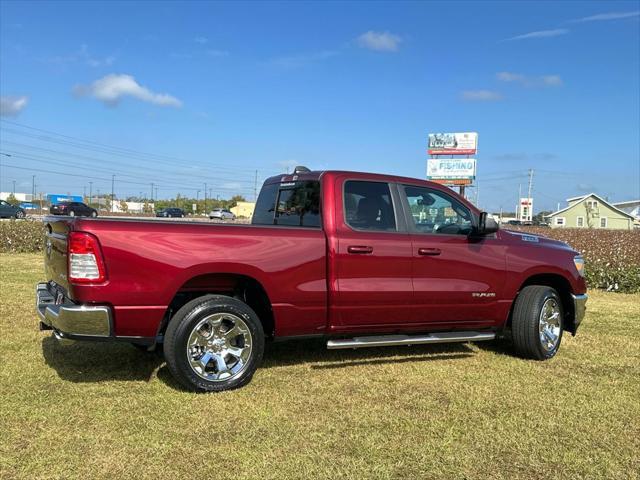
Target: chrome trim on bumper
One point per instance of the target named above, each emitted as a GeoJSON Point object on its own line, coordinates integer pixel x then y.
{"type": "Point", "coordinates": [579, 307]}
{"type": "Point", "coordinates": [70, 320]}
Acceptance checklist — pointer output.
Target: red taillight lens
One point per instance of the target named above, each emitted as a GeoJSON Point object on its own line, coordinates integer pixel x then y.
{"type": "Point", "coordinates": [85, 259]}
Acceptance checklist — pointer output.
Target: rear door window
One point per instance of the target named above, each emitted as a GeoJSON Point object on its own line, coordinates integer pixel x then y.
{"type": "Point", "coordinates": [368, 206]}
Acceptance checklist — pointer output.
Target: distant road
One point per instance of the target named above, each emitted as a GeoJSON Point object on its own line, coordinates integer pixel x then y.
{"type": "Point", "coordinates": [159, 219]}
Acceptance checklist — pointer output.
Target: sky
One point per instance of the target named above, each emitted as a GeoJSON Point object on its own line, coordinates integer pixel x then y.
{"type": "Point", "coordinates": [183, 94]}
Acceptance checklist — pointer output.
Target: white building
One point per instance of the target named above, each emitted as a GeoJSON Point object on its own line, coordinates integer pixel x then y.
{"type": "Point", "coordinates": [21, 197]}
{"type": "Point", "coordinates": [632, 207]}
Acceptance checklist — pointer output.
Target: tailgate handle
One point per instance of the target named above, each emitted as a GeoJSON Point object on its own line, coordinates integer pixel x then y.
{"type": "Point", "coordinates": [359, 249]}
{"type": "Point", "coordinates": [429, 251]}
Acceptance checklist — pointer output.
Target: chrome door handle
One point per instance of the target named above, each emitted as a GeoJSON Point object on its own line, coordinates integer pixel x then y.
{"type": "Point", "coordinates": [359, 249]}
{"type": "Point", "coordinates": [429, 251]}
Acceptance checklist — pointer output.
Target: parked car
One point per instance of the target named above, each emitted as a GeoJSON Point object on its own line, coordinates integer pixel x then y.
{"type": "Point", "coordinates": [514, 222]}
{"type": "Point", "coordinates": [362, 260]}
{"type": "Point", "coordinates": [10, 211]}
{"type": "Point", "coordinates": [73, 209]}
{"type": "Point", "coordinates": [222, 214]}
{"type": "Point", "coordinates": [170, 212]}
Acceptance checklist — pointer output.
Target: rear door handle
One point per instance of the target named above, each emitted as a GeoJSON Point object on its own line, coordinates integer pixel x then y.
{"type": "Point", "coordinates": [359, 249]}
{"type": "Point", "coordinates": [429, 251]}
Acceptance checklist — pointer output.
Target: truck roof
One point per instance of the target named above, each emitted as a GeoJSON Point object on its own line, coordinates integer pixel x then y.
{"type": "Point", "coordinates": [317, 174]}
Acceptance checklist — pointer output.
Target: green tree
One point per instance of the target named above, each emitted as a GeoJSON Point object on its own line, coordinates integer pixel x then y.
{"type": "Point", "coordinates": [124, 207]}
{"type": "Point", "coordinates": [12, 199]}
{"type": "Point", "coordinates": [234, 201]}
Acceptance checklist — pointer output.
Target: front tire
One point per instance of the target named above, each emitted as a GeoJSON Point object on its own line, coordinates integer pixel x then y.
{"type": "Point", "coordinates": [72, 213]}
{"type": "Point", "coordinates": [214, 343]}
{"type": "Point", "coordinates": [19, 214]}
{"type": "Point", "coordinates": [94, 214]}
{"type": "Point", "coordinates": [537, 322]}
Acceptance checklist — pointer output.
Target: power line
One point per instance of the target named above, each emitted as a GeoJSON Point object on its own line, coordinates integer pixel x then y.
{"type": "Point", "coordinates": [114, 162]}
{"type": "Point", "coordinates": [103, 146]}
{"type": "Point", "coordinates": [48, 160]}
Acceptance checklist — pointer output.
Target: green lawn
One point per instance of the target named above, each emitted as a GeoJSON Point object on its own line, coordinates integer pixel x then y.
{"type": "Point", "coordinates": [453, 411]}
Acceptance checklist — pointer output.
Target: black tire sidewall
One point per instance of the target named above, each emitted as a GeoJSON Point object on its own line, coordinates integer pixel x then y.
{"type": "Point", "coordinates": [186, 319]}
{"type": "Point", "coordinates": [525, 328]}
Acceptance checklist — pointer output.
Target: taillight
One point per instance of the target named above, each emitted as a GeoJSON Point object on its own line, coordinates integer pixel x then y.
{"type": "Point", "coordinates": [85, 259]}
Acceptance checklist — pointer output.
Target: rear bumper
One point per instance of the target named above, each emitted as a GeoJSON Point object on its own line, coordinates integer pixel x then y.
{"type": "Point", "coordinates": [68, 320]}
{"type": "Point", "coordinates": [580, 308]}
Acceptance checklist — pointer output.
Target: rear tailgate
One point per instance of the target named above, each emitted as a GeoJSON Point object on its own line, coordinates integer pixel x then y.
{"type": "Point", "coordinates": [55, 251]}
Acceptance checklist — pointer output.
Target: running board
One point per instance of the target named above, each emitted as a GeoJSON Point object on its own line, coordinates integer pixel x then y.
{"type": "Point", "coordinates": [392, 340]}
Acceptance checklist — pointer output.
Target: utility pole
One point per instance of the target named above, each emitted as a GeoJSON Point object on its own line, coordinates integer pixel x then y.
{"type": "Point", "coordinates": [113, 198]}
{"type": "Point", "coordinates": [157, 191]}
{"type": "Point", "coordinates": [90, 192]}
{"type": "Point", "coordinates": [255, 187]}
{"type": "Point", "coordinates": [84, 192]}
{"type": "Point", "coordinates": [33, 188]}
{"type": "Point", "coordinates": [205, 197]}
{"type": "Point", "coordinates": [518, 204]}
{"type": "Point", "coordinates": [151, 192]}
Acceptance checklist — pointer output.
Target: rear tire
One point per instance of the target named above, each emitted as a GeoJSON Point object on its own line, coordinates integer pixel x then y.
{"type": "Point", "coordinates": [537, 322]}
{"type": "Point", "coordinates": [214, 343]}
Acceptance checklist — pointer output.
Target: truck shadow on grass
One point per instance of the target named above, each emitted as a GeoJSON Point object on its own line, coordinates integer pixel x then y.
{"type": "Point", "coordinates": [88, 362]}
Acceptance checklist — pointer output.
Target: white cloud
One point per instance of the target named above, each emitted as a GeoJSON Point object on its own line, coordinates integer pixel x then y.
{"type": "Point", "coordinates": [607, 16]}
{"type": "Point", "coordinates": [510, 77]}
{"type": "Point", "coordinates": [527, 81]}
{"type": "Point", "coordinates": [540, 34]}
{"type": "Point", "coordinates": [12, 106]}
{"type": "Point", "coordinates": [110, 89]}
{"type": "Point", "coordinates": [379, 41]}
{"type": "Point", "coordinates": [83, 56]}
{"type": "Point", "coordinates": [302, 60]}
{"type": "Point", "coordinates": [217, 53]}
{"type": "Point", "coordinates": [201, 40]}
{"type": "Point", "coordinates": [481, 96]}
{"type": "Point", "coordinates": [552, 80]}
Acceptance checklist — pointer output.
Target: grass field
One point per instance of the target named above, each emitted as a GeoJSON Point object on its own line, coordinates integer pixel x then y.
{"type": "Point", "coordinates": [457, 411]}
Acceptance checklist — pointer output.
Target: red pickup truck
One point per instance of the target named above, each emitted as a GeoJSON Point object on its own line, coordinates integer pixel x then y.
{"type": "Point", "coordinates": [359, 259]}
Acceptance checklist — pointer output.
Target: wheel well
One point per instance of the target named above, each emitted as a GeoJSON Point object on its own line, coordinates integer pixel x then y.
{"type": "Point", "coordinates": [563, 287]}
{"type": "Point", "coordinates": [242, 287]}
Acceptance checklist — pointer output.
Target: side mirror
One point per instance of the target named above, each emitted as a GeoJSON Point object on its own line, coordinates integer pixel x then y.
{"type": "Point", "coordinates": [486, 225]}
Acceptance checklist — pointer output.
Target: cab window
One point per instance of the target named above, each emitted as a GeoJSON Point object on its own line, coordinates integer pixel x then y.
{"type": "Point", "coordinates": [368, 206]}
{"type": "Point", "coordinates": [433, 211]}
{"type": "Point", "coordinates": [295, 204]}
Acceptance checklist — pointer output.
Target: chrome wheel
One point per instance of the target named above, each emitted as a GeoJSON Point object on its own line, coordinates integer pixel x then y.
{"type": "Point", "coordinates": [550, 325]}
{"type": "Point", "coordinates": [219, 347]}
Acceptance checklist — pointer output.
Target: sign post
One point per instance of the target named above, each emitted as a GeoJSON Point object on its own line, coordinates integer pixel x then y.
{"type": "Point", "coordinates": [452, 171]}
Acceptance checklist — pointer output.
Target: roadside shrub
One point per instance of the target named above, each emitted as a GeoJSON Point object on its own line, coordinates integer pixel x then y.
{"type": "Point", "coordinates": [612, 256]}
{"type": "Point", "coordinates": [21, 236]}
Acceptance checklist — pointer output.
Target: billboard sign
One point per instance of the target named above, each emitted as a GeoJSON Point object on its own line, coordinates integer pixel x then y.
{"type": "Point", "coordinates": [453, 143]}
{"type": "Point", "coordinates": [451, 171]}
{"type": "Point", "coordinates": [54, 198]}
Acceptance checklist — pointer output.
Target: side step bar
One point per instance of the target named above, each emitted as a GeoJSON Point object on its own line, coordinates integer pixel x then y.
{"type": "Point", "coordinates": [392, 340]}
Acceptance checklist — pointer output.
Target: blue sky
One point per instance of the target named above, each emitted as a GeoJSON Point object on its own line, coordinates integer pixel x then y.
{"type": "Point", "coordinates": [210, 92]}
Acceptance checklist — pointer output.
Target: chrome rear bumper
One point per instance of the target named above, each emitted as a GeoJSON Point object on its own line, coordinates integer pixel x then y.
{"type": "Point", "coordinates": [68, 320]}
{"type": "Point", "coordinates": [579, 307]}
